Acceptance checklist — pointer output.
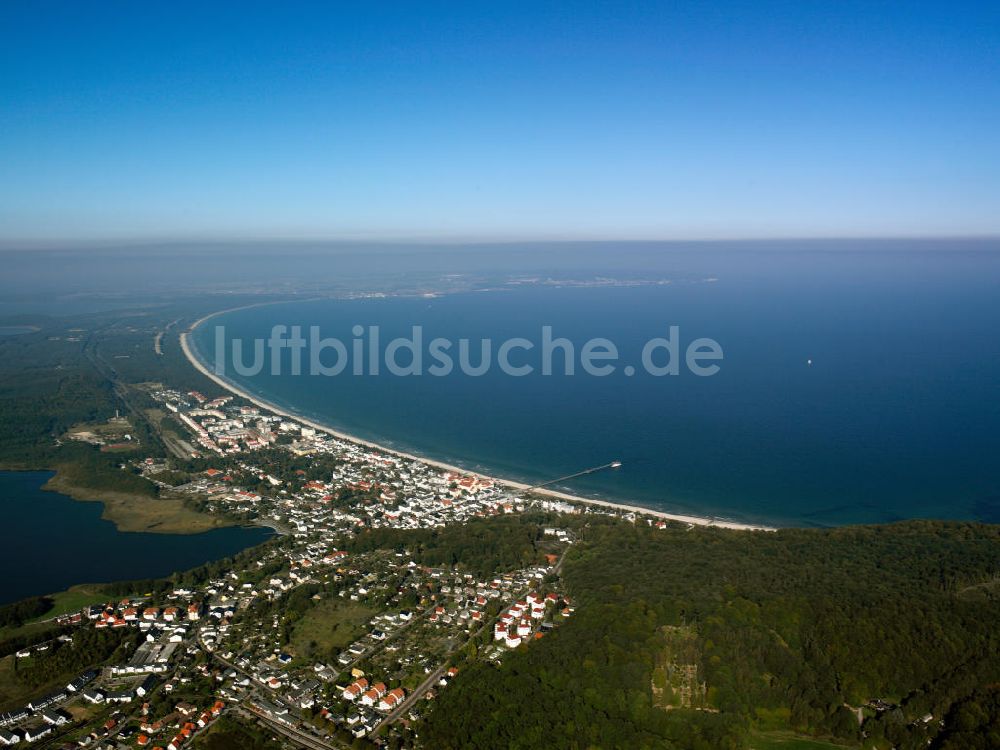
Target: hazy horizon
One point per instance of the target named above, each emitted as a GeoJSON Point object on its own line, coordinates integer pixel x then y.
{"type": "Point", "coordinates": [347, 244]}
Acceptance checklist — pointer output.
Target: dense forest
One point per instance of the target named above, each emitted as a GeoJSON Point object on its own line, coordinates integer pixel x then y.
{"type": "Point", "coordinates": [796, 629]}
{"type": "Point", "coordinates": [77, 370]}
{"type": "Point", "coordinates": [49, 382]}
{"type": "Point", "coordinates": [974, 722]}
{"type": "Point", "coordinates": [482, 547]}
{"type": "Point", "coordinates": [18, 613]}
{"type": "Point", "coordinates": [86, 648]}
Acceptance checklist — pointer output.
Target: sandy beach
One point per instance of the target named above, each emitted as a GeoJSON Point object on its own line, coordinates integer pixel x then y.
{"type": "Point", "coordinates": [273, 408]}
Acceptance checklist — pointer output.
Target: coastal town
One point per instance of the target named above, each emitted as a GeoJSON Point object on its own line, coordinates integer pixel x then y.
{"type": "Point", "coordinates": [500, 376]}
{"type": "Point", "coordinates": [383, 631]}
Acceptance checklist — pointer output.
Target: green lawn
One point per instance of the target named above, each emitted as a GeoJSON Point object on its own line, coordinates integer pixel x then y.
{"type": "Point", "coordinates": [74, 599]}
{"type": "Point", "coordinates": [329, 627]}
{"type": "Point", "coordinates": [229, 734]}
{"type": "Point", "coordinates": [790, 741]}
{"type": "Point", "coordinates": [64, 602]}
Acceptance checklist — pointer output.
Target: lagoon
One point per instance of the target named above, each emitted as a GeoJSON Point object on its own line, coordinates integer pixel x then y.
{"type": "Point", "coordinates": [52, 542]}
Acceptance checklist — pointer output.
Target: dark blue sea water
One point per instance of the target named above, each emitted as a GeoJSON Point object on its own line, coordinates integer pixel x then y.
{"type": "Point", "coordinates": [898, 416]}
{"type": "Point", "coordinates": [52, 542]}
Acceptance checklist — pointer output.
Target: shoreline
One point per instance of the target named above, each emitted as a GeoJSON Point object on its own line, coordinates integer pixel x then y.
{"type": "Point", "coordinates": [509, 483]}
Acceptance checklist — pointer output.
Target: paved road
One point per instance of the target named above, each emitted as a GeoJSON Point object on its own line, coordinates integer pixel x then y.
{"type": "Point", "coordinates": [557, 569]}
{"type": "Point", "coordinates": [296, 735]}
{"type": "Point", "coordinates": [379, 645]}
{"type": "Point", "coordinates": [436, 674]}
{"type": "Point", "coordinates": [303, 738]}
{"type": "Point", "coordinates": [431, 680]}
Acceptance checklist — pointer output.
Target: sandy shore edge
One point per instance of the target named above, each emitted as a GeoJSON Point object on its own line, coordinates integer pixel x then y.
{"type": "Point", "coordinates": [236, 390]}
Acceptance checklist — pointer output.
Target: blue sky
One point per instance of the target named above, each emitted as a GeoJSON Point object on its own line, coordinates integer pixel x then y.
{"type": "Point", "coordinates": [499, 120]}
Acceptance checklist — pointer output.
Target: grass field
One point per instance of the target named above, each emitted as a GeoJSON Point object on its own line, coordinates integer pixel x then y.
{"type": "Point", "coordinates": [230, 734]}
{"type": "Point", "coordinates": [790, 741]}
{"type": "Point", "coordinates": [73, 600]}
{"type": "Point", "coordinates": [138, 513]}
{"type": "Point", "coordinates": [329, 627]}
{"type": "Point", "coordinates": [10, 692]}
{"type": "Point", "coordinates": [64, 602]}
{"type": "Point", "coordinates": [14, 694]}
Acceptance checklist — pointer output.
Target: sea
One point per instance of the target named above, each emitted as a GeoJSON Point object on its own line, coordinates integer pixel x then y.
{"type": "Point", "coordinates": [858, 383]}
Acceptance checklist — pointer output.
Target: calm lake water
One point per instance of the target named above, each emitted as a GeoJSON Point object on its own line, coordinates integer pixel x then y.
{"type": "Point", "coordinates": [52, 542]}
{"type": "Point", "coordinates": [897, 416]}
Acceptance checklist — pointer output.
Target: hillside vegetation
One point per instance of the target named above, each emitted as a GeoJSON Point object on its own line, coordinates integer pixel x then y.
{"type": "Point", "coordinates": [795, 630]}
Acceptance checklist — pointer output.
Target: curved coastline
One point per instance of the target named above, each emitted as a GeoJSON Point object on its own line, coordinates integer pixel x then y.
{"type": "Point", "coordinates": [231, 387]}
